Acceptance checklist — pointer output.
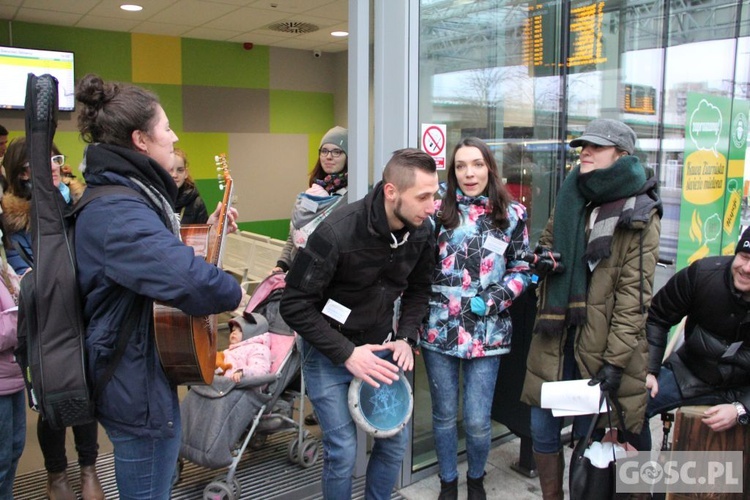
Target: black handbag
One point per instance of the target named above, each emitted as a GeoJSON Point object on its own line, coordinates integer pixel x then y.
{"type": "Point", "coordinates": [587, 481]}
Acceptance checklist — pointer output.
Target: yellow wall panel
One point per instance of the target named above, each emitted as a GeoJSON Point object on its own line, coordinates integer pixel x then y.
{"type": "Point", "coordinates": [156, 59]}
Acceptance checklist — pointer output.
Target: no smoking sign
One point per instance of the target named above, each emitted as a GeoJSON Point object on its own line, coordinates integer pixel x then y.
{"type": "Point", "coordinates": [433, 143]}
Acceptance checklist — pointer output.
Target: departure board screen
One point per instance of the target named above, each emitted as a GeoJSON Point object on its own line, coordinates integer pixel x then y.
{"type": "Point", "coordinates": [639, 99]}
{"type": "Point", "coordinates": [586, 34]}
{"type": "Point", "coordinates": [540, 33]}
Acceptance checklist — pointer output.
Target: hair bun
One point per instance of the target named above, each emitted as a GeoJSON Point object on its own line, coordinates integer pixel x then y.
{"type": "Point", "coordinates": [93, 92]}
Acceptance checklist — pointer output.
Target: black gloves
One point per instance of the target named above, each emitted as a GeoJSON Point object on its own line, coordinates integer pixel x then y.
{"type": "Point", "coordinates": [544, 260]}
{"type": "Point", "coordinates": [609, 376]}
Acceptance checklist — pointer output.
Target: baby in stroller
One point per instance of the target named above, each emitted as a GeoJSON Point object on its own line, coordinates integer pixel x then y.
{"type": "Point", "coordinates": [220, 420]}
{"type": "Point", "coordinates": [248, 354]}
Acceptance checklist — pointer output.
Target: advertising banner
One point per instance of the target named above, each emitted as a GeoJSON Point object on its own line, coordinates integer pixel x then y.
{"type": "Point", "coordinates": [712, 180]}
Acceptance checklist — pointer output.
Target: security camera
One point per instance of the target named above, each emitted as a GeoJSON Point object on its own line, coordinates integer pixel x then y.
{"type": "Point", "coordinates": [317, 53]}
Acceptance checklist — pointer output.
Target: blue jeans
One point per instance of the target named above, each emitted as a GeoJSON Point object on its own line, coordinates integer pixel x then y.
{"type": "Point", "coordinates": [479, 377]}
{"type": "Point", "coordinates": [12, 438]}
{"type": "Point", "coordinates": [144, 466]}
{"type": "Point", "coordinates": [669, 398]}
{"type": "Point", "coordinates": [328, 388]}
{"type": "Point", "coordinates": [545, 428]}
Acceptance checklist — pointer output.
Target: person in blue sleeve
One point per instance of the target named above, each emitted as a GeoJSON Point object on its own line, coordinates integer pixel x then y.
{"type": "Point", "coordinates": [129, 254]}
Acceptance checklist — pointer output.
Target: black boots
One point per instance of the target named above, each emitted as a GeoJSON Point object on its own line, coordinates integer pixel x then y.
{"type": "Point", "coordinates": [448, 491]}
{"type": "Point", "coordinates": [550, 467]}
{"type": "Point", "coordinates": [476, 488]}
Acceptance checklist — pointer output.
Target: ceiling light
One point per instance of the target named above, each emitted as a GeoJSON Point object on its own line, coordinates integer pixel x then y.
{"type": "Point", "coordinates": [131, 7]}
{"type": "Point", "coordinates": [339, 33]}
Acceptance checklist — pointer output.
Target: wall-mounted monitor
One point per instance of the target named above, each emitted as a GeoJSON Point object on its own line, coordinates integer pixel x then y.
{"type": "Point", "coordinates": [15, 65]}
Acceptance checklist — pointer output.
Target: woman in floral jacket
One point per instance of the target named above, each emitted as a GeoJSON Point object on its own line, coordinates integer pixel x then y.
{"type": "Point", "coordinates": [479, 233]}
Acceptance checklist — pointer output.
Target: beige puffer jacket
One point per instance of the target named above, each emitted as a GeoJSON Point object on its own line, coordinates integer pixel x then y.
{"type": "Point", "coordinates": [619, 295]}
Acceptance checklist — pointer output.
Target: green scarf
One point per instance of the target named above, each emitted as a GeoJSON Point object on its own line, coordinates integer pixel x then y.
{"type": "Point", "coordinates": [563, 296]}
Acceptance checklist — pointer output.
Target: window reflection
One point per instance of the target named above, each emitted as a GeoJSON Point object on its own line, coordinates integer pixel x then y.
{"type": "Point", "coordinates": [527, 77]}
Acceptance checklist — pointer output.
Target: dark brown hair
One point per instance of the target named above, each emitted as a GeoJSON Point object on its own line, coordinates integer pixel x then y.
{"type": "Point", "coordinates": [112, 111]}
{"type": "Point", "coordinates": [498, 195]}
{"type": "Point", "coordinates": [401, 168]}
{"type": "Point", "coordinates": [14, 163]}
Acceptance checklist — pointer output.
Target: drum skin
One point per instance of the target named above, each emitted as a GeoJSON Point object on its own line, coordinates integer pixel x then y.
{"type": "Point", "coordinates": [384, 411]}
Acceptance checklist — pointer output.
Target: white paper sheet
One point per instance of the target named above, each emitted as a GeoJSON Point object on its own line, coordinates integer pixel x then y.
{"type": "Point", "coordinates": [572, 398]}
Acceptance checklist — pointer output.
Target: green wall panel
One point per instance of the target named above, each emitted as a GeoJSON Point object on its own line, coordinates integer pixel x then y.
{"type": "Point", "coordinates": [278, 229]}
{"type": "Point", "coordinates": [106, 53]}
{"type": "Point", "coordinates": [201, 148]}
{"type": "Point", "coordinates": [222, 64]}
{"type": "Point", "coordinates": [72, 146]}
{"type": "Point", "coordinates": [295, 112]}
{"type": "Point", "coordinates": [170, 97]}
{"type": "Point", "coordinates": [210, 192]}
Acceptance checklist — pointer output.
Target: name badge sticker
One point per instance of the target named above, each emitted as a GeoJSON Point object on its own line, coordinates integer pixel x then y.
{"type": "Point", "coordinates": [308, 204]}
{"type": "Point", "coordinates": [495, 245]}
{"type": "Point", "coordinates": [732, 349]}
{"type": "Point", "coordinates": [336, 311]}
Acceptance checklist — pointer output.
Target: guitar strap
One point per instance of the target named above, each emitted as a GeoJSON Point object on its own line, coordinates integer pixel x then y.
{"type": "Point", "coordinates": [126, 331]}
{"type": "Point", "coordinates": [123, 336]}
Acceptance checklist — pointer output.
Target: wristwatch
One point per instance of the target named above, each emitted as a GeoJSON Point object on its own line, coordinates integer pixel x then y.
{"type": "Point", "coordinates": [409, 341]}
{"type": "Point", "coordinates": [742, 417]}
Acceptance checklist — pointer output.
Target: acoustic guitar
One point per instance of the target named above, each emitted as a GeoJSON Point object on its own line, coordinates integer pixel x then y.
{"type": "Point", "coordinates": [187, 344]}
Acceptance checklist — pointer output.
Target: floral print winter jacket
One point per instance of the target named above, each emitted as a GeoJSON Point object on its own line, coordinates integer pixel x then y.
{"type": "Point", "coordinates": [476, 259]}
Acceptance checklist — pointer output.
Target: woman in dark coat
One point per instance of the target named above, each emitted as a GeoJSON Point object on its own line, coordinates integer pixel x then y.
{"type": "Point", "coordinates": [129, 255]}
{"type": "Point", "coordinates": [189, 205]}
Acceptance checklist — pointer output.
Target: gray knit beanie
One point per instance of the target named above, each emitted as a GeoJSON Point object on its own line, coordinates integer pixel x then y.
{"type": "Point", "coordinates": [338, 136]}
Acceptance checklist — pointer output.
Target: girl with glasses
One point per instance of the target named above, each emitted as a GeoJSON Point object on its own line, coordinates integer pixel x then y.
{"type": "Point", "coordinates": [328, 181]}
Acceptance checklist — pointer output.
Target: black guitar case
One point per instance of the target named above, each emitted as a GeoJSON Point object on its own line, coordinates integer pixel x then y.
{"type": "Point", "coordinates": [50, 311]}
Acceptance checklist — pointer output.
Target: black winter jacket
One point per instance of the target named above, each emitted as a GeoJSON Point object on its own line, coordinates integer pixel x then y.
{"type": "Point", "coordinates": [349, 259]}
{"type": "Point", "coordinates": [717, 317]}
{"type": "Point", "coordinates": [190, 206]}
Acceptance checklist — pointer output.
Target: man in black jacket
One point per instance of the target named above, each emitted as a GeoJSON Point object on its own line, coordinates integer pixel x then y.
{"type": "Point", "coordinates": [340, 297]}
{"type": "Point", "coordinates": [712, 367]}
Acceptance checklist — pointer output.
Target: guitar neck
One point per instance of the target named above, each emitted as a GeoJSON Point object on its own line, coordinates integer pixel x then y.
{"type": "Point", "coordinates": [216, 249]}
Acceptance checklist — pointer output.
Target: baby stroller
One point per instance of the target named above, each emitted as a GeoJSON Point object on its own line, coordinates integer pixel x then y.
{"type": "Point", "coordinates": [221, 420]}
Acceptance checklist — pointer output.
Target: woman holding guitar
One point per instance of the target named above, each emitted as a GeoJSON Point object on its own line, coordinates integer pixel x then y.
{"type": "Point", "coordinates": [130, 255]}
